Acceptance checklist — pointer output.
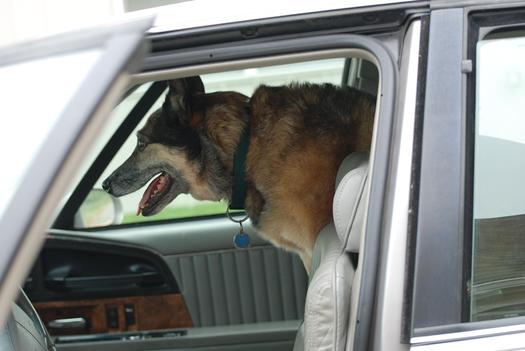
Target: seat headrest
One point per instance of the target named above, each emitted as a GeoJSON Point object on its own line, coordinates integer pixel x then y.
{"type": "Point", "coordinates": [348, 208]}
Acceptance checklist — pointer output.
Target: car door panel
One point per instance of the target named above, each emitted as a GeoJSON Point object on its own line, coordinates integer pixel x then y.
{"type": "Point", "coordinates": [221, 285]}
{"type": "Point", "coordinates": [259, 284]}
{"type": "Point", "coordinates": [109, 287]}
{"type": "Point", "coordinates": [237, 298]}
{"type": "Point", "coordinates": [173, 238]}
{"type": "Point", "coordinates": [131, 313]}
{"type": "Point", "coordinates": [79, 268]}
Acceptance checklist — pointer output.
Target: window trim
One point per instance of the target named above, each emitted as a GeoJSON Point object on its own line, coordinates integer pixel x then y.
{"type": "Point", "coordinates": [437, 270]}
{"type": "Point", "coordinates": [503, 338]}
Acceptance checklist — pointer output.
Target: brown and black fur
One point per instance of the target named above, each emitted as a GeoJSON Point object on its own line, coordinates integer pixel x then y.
{"type": "Point", "coordinates": [299, 134]}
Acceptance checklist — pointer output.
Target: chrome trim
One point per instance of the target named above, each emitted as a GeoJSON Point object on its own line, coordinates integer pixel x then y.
{"type": "Point", "coordinates": [393, 270]}
{"type": "Point", "coordinates": [505, 342]}
{"type": "Point", "coordinates": [68, 323]}
{"type": "Point", "coordinates": [468, 334]}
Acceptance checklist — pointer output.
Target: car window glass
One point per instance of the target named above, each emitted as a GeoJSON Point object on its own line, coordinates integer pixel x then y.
{"type": "Point", "coordinates": [497, 287]}
{"type": "Point", "coordinates": [31, 112]}
{"type": "Point", "coordinates": [244, 81]}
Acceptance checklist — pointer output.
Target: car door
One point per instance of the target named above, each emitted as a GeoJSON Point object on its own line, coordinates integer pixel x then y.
{"type": "Point", "coordinates": [179, 258]}
{"type": "Point", "coordinates": [85, 71]}
{"type": "Point", "coordinates": [240, 298]}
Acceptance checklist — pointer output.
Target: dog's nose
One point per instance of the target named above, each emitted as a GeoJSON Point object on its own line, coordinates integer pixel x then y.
{"type": "Point", "coordinates": [106, 185]}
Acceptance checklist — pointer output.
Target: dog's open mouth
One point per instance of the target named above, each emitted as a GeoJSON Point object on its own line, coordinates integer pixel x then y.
{"type": "Point", "coordinates": [154, 193]}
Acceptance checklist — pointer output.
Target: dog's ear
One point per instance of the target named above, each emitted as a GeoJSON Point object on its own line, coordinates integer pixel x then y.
{"type": "Point", "coordinates": [182, 89]}
{"type": "Point", "coordinates": [186, 86]}
{"type": "Point", "coordinates": [195, 85]}
{"type": "Point", "coordinates": [180, 95]}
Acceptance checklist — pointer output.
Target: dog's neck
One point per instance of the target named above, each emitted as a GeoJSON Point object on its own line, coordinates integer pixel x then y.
{"type": "Point", "coordinates": [238, 195]}
{"type": "Point", "coordinates": [227, 119]}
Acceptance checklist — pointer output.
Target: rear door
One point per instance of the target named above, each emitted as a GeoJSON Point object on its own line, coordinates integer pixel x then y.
{"type": "Point", "coordinates": [469, 258]}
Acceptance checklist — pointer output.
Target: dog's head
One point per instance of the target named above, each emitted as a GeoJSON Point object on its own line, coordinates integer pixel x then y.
{"type": "Point", "coordinates": [174, 145]}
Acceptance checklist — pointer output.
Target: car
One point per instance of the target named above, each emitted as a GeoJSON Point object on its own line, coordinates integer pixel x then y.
{"type": "Point", "coordinates": [426, 252]}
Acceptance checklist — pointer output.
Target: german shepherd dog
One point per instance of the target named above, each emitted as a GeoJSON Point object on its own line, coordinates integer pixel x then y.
{"type": "Point", "coordinates": [299, 134]}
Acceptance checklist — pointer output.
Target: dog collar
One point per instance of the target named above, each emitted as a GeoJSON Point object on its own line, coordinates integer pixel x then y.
{"type": "Point", "coordinates": [239, 167]}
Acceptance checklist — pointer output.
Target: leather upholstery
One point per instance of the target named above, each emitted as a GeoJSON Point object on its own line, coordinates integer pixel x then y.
{"type": "Point", "coordinates": [348, 208]}
{"type": "Point", "coordinates": [328, 297]}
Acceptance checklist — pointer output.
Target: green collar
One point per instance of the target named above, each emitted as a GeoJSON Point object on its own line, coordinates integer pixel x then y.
{"type": "Point", "coordinates": [239, 167]}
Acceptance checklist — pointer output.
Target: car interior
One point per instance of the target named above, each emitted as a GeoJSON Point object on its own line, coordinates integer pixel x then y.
{"type": "Point", "coordinates": [108, 279]}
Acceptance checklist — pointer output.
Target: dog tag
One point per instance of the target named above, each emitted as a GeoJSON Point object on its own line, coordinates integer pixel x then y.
{"type": "Point", "coordinates": [241, 240]}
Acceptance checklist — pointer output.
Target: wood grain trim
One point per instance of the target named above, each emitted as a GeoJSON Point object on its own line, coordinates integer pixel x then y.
{"type": "Point", "coordinates": [151, 312]}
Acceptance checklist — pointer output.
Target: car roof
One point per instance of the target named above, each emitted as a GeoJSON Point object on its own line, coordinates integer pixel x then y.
{"type": "Point", "coordinates": [201, 13]}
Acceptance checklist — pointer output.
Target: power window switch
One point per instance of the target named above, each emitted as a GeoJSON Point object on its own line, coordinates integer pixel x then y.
{"type": "Point", "coordinates": [112, 317]}
{"type": "Point", "coordinates": [129, 314]}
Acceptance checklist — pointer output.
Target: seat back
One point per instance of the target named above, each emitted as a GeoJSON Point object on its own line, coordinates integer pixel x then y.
{"type": "Point", "coordinates": [327, 306]}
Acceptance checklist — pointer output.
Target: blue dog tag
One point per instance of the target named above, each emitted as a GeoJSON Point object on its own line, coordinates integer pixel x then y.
{"type": "Point", "coordinates": [241, 240]}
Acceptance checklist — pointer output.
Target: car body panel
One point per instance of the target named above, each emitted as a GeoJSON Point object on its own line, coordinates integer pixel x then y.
{"type": "Point", "coordinates": [194, 14]}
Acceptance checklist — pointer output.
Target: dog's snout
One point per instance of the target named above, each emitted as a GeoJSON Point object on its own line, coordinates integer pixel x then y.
{"type": "Point", "coordinates": [106, 185]}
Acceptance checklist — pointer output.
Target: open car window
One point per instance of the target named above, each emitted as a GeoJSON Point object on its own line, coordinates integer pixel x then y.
{"type": "Point", "coordinates": [94, 210]}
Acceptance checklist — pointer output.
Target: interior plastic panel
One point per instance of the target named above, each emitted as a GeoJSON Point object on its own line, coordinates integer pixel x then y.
{"type": "Point", "coordinates": [275, 336]}
{"type": "Point", "coordinates": [181, 237]}
{"type": "Point", "coordinates": [75, 268]}
{"type": "Point", "coordinates": [259, 284]}
{"type": "Point", "coordinates": [220, 284]}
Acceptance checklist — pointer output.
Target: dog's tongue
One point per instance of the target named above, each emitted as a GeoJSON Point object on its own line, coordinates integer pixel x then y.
{"type": "Point", "coordinates": [155, 186]}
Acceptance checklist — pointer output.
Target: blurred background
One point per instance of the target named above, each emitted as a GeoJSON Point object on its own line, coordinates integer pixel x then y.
{"type": "Point", "coordinates": [22, 20]}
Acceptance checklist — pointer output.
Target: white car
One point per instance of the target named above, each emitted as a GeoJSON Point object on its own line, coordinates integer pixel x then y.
{"type": "Point", "coordinates": [433, 245]}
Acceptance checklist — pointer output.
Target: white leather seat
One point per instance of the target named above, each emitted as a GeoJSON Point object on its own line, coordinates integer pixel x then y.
{"type": "Point", "coordinates": [328, 298]}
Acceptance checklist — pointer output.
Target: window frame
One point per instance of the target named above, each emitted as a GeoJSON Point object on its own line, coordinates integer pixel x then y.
{"type": "Point", "coordinates": [438, 315]}
{"type": "Point", "coordinates": [237, 51]}
{"type": "Point", "coordinates": [122, 133]}
{"type": "Point", "coordinates": [185, 61]}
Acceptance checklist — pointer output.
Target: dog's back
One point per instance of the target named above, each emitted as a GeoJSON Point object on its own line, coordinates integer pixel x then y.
{"type": "Point", "coordinates": [299, 135]}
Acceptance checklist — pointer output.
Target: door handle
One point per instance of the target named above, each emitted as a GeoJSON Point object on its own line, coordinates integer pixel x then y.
{"type": "Point", "coordinates": [69, 323]}
{"type": "Point", "coordinates": [145, 279]}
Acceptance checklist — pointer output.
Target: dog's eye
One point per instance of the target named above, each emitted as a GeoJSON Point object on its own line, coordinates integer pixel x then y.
{"type": "Point", "coordinates": [141, 145]}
